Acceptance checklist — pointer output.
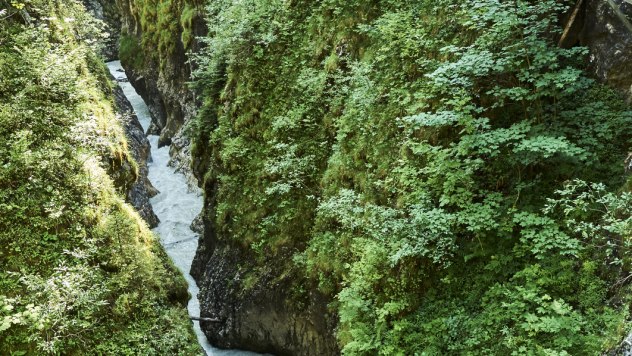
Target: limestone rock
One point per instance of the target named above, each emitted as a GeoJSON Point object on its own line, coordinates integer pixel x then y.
{"type": "Point", "coordinates": [258, 308]}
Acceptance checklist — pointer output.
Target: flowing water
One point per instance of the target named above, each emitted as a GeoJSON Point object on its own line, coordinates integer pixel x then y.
{"type": "Point", "coordinates": [176, 206]}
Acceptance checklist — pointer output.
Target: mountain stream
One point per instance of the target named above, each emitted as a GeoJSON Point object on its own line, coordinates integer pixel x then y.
{"type": "Point", "coordinates": [176, 206]}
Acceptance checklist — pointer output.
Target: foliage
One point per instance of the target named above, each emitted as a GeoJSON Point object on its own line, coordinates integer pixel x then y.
{"type": "Point", "coordinates": [429, 164]}
{"type": "Point", "coordinates": [80, 272]}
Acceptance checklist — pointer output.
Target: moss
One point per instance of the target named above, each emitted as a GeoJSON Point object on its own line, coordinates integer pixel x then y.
{"type": "Point", "coordinates": [186, 22]}
{"type": "Point", "coordinates": [164, 24]}
{"type": "Point", "coordinates": [249, 281]}
{"type": "Point", "coordinates": [131, 52]}
{"type": "Point", "coordinates": [331, 63]}
{"type": "Point", "coordinates": [627, 187]}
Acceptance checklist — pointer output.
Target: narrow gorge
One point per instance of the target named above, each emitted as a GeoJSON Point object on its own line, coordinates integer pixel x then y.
{"type": "Point", "coordinates": [319, 177]}
{"type": "Point", "coordinates": [176, 205]}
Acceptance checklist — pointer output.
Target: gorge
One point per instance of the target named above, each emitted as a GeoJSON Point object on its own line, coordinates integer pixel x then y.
{"type": "Point", "coordinates": [390, 177]}
{"type": "Point", "coordinates": [176, 205]}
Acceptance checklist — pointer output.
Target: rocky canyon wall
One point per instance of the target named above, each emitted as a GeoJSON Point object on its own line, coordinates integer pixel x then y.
{"type": "Point", "coordinates": [262, 314]}
{"type": "Point", "coordinates": [260, 319]}
{"type": "Point", "coordinates": [161, 76]}
{"type": "Point", "coordinates": [605, 27]}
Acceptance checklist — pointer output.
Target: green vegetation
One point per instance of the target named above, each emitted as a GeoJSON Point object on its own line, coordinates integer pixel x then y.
{"type": "Point", "coordinates": [130, 51]}
{"type": "Point", "coordinates": [186, 22]}
{"type": "Point", "coordinates": [441, 169]}
{"type": "Point", "coordinates": [164, 24]}
{"type": "Point", "coordinates": [444, 172]}
{"type": "Point", "coordinates": [80, 272]}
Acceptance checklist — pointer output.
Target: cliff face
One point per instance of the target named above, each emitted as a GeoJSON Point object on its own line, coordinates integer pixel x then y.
{"type": "Point", "coordinates": [161, 77]}
{"type": "Point", "coordinates": [259, 314]}
{"type": "Point", "coordinates": [258, 309]}
{"type": "Point", "coordinates": [80, 271]}
{"type": "Point", "coordinates": [139, 192]}
{"type": "Point", "coordinates": [607, 32]}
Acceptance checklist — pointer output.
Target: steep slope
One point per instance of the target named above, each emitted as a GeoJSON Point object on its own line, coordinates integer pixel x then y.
{"type": "Point", "coordinates": [141, 190]}
{"type": "Point", "coordinates": [155, 37]}
{"type": "Point", "coordinates": [442, 173]}
{"type": "Point", "coordinates": [80, 272]}
{"type": "Point", "coordinates": [397, 177]}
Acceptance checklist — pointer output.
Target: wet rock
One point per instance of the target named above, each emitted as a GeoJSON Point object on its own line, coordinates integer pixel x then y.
{"type": "Point", "coordinates": [258, 310]}
{"type": "Point", "coordinates": [141, 190]}
{"type": "Point", "coordinates": [197, 225]}
{"type": "Point", "coordinates": [153, 129]}
{"type": "Point", "coordinates": [260, 306]}
{"type": "Point", "coordinates": [180, 152]}
{"type": "Point", "coordinates": [151, 190]}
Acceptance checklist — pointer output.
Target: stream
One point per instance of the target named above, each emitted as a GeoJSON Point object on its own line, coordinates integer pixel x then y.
{"type": "Point", "coordinates": [176, 206]}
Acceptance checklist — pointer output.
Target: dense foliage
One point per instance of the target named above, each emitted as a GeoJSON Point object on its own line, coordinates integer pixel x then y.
{"type": "Point", "coordinates": [80, 272]}
{"type": "Point", "coordinates": [441, 169]}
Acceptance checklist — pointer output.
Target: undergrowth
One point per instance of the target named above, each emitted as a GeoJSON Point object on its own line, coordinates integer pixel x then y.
{"type": "Point", "coordinates": [441, 169]}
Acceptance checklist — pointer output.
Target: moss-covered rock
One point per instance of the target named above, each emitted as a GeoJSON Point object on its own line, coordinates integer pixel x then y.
{"type": "Point", "coordinates": [158, 36]}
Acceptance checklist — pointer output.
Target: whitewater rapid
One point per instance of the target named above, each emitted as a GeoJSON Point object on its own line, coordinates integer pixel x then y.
{"type": "Point", "coordinates": [176, 206]}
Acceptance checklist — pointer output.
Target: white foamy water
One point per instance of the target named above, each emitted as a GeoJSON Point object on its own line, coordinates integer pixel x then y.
{"type": "Point", "coordinates": [176, 206]}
